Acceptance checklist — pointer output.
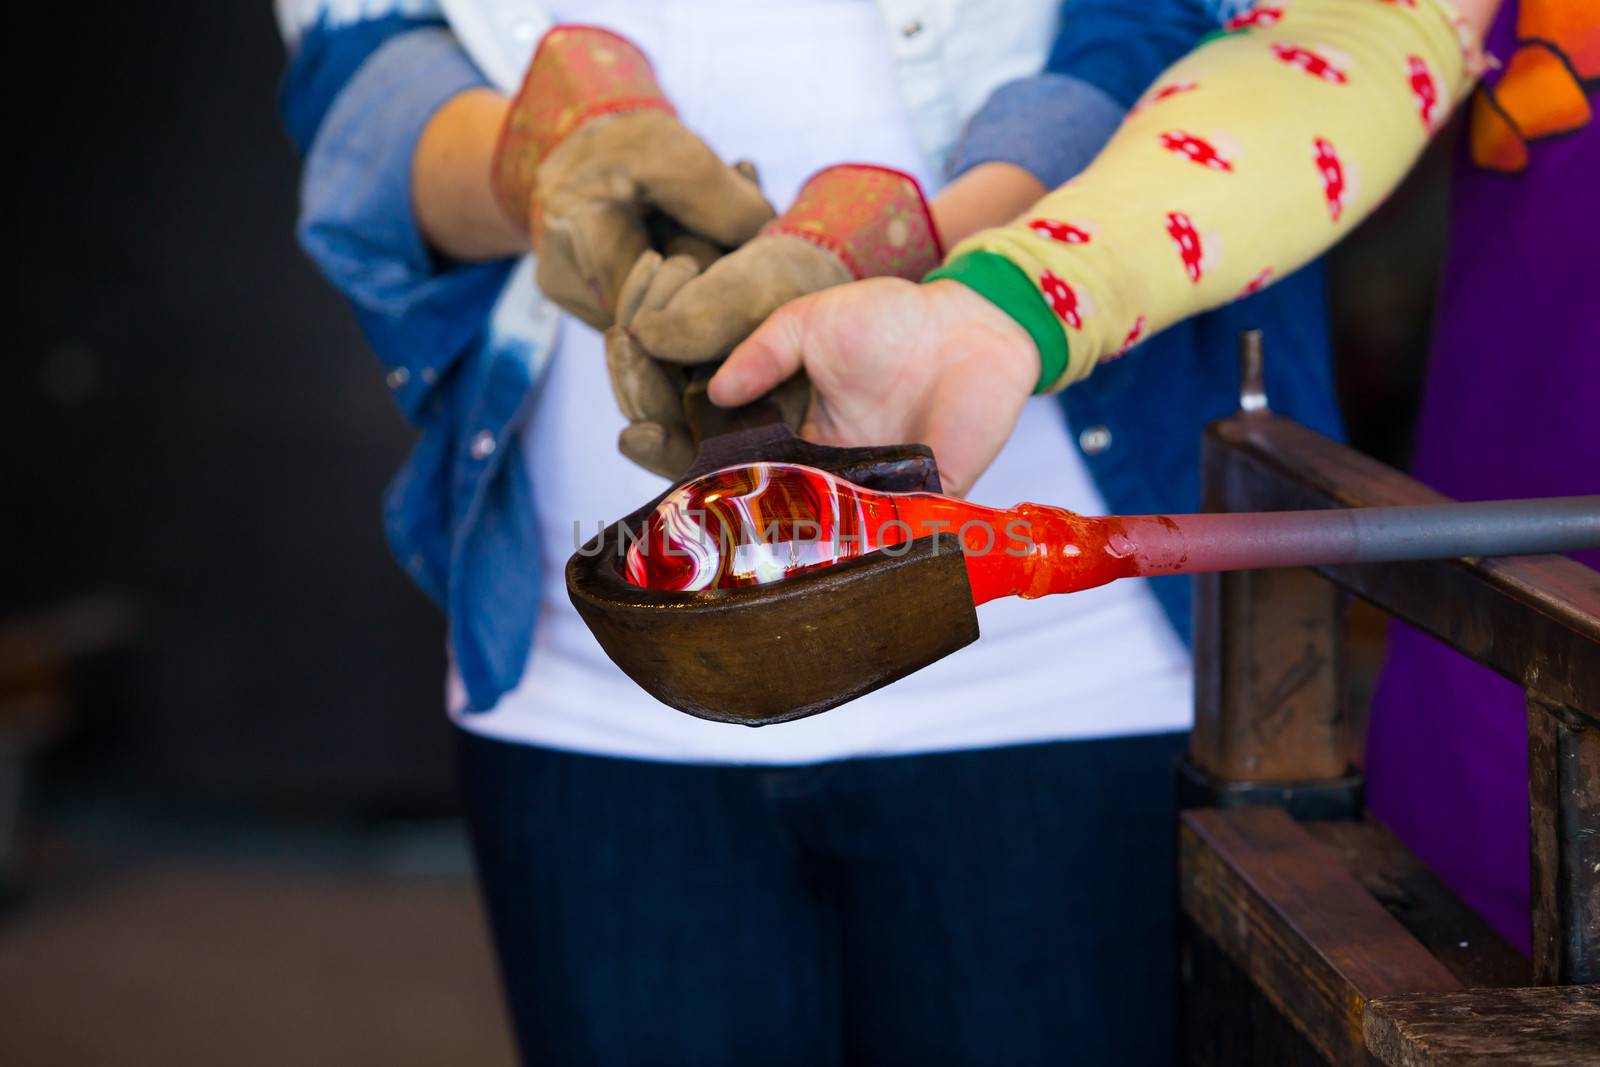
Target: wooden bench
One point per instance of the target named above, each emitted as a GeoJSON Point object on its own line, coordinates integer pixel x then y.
{"type": "Point", "coordinates": [1310, 934]}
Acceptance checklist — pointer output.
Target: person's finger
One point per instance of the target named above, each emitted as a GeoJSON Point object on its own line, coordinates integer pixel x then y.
{"type": "Point", "coordinates": [769, 356]}
{"type": "Point", "coordinates": [717, 310]}
{"type": "Point", "coordinates": [704, 252]}
{"type": "Point", "coordinates": [661, 449]}
{"type": "Point", "coordinates": [652, 282]}
{"type": "Point", "coordinates": [674, 273]}
{"type": "Point", "coordinates": [607, 238]}
{"type": "Point", "coordinates": [645, 390]}
{"type": "Point", "coordinates": [559, 279]}
{"type": "Point", "coordinates": [631, 295]}
{"type": "Point", "coordinates": [674, 239]}
{"type": "Point", "coordinates": [574, 272]}
{"type": "Point", "coordinates": [683, 177]}
{"type": "Point", "coordinates": [708, 316]}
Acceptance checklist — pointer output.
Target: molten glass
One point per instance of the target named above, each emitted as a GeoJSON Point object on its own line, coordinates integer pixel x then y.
{"type": "Point", "coordinates": [763, 522]}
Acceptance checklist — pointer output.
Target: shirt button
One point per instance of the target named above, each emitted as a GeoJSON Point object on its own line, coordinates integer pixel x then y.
{"type": "Point", "coordinates": [1094, 440]}
{"type": "Point", "coordinates": [398, 377]}
{"type": "Point", "coordinates": [912, 28]}
{"type": "Point", "coordinates": [430, 375]}
{"type": "Point", "coordinates": [523, 31]}
{"type": "Point", "coordinates": [482, 445]}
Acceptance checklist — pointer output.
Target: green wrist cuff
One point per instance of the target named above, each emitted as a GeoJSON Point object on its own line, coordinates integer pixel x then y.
{"type": "Point", "coordinates": [1002, 283]}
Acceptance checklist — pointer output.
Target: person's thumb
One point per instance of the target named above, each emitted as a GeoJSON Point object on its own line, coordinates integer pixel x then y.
{"type": "Point", "coordinates": [712, 313]}
{"type": "Point", "coordinates": [765, 360]}
{"type": "Point", "coordinates": [687, 181]}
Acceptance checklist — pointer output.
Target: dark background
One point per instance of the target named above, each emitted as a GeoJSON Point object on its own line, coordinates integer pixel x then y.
{"type": "Point", "coordinates": [195, 431]}
{"type": "Point", "coordinates": [226, 797]}
{"type": "Point", "coordinates": [226, 781]}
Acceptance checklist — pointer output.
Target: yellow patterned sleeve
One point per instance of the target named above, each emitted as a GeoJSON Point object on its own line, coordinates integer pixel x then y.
{"type": "Point", "coordinates": [1245, 160]}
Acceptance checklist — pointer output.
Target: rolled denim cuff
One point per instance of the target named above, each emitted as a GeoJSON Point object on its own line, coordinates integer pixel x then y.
{"type": "Point", "coordinates": [1051, 125]}
{"type": "Point", "coordinates": [356, 221]}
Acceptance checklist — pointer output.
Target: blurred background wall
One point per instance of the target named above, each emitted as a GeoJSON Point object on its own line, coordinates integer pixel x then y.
{"type": "Point", "coordinates": [195, 432]}
{"type": "Point", "coordinates": [225, 778]}
{"type": "Point", "coordinates": [226, 800]}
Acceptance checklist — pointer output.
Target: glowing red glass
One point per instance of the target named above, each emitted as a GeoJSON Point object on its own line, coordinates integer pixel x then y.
{"type": "Point", "coordinates": [764, 522]}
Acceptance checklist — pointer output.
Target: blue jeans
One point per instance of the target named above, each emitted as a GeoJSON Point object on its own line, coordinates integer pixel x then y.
{"type": "Point", "coordinates": [1006, 906]}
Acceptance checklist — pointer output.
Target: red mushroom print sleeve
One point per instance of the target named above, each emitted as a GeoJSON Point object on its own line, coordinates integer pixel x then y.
{"type": "Point", "coordinates": [1245, 160]}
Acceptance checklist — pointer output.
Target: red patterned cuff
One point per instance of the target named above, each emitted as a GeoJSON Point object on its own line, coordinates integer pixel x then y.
{"type": "Point", "coordinates": [873, 218]}
{"type": "Point", "coordinates": [578, 74]}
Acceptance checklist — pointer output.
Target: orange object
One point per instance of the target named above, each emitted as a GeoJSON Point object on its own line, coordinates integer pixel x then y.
{"type": "Point", "coordinates": [1540, 94]}
{"type": "Point", "coordinates": [1496, 144]}
{"type": "Point", "coordinates": [763, 522]}
{"type": "Point", "coordinates": [1573, 26]}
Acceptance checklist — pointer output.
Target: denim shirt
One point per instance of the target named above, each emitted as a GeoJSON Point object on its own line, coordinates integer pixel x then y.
{"type": "Point", "coordinates": [463, 361]}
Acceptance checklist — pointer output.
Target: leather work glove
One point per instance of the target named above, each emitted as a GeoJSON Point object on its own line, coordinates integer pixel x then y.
{"type": "Point", "coordinates": [849, 222]}
{"type": "Point", "coordinates": [653, 394]}
{"type": "Point", "coordinates": [594, 163]}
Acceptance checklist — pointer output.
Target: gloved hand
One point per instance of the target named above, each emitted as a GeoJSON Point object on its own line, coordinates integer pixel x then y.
{"type": "Point", "coordinates": [593, 161]}
{"type": "Point", "coordinates": [850, 221]}
{"type": "Point", "coordinates": [651, 393]}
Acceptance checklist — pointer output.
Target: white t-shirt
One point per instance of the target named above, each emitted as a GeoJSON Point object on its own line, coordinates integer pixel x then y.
{"type": "Point", "coordinates": [796, 86]}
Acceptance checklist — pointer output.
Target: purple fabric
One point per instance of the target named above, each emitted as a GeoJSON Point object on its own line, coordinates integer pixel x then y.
{"type": "Point", "coordinates": [1511, 409]}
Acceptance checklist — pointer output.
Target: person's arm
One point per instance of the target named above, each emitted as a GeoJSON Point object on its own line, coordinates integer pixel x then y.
{"type": "Point", "coordinates": [1255, 153]}
{"type": "Point", "coordinates": [356, 99]}
{"type": "Point", "coordinates": [987, 195]}
{"type": "Point", "coordinates": [452, 196]}
{"type": "Point", "coordinates": [1035, 133]}
{"type": "Point", "coordinates": [1243, 162]}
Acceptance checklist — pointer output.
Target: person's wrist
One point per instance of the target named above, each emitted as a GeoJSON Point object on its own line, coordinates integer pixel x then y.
{"type": "Point", "coordinates": [452, 191]}
{"type": "Point", "coordinates": [875, 220]}
{"type": "Point", "coordinates": [578, 74]}
{"type": "Point", "coordinates": [990, 194]}
{"type": "Point", "coordinates": [1008, 348]}
{"type": "Point", "coordinates": [1003, 284]}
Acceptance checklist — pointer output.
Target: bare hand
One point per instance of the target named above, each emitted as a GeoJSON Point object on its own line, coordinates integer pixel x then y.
{"type": "Point", "coordinates": [891, 361]}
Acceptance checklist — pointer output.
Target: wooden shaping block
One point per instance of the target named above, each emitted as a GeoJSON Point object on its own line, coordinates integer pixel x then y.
{"type": "Point", "coordinates": [768, 654]}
